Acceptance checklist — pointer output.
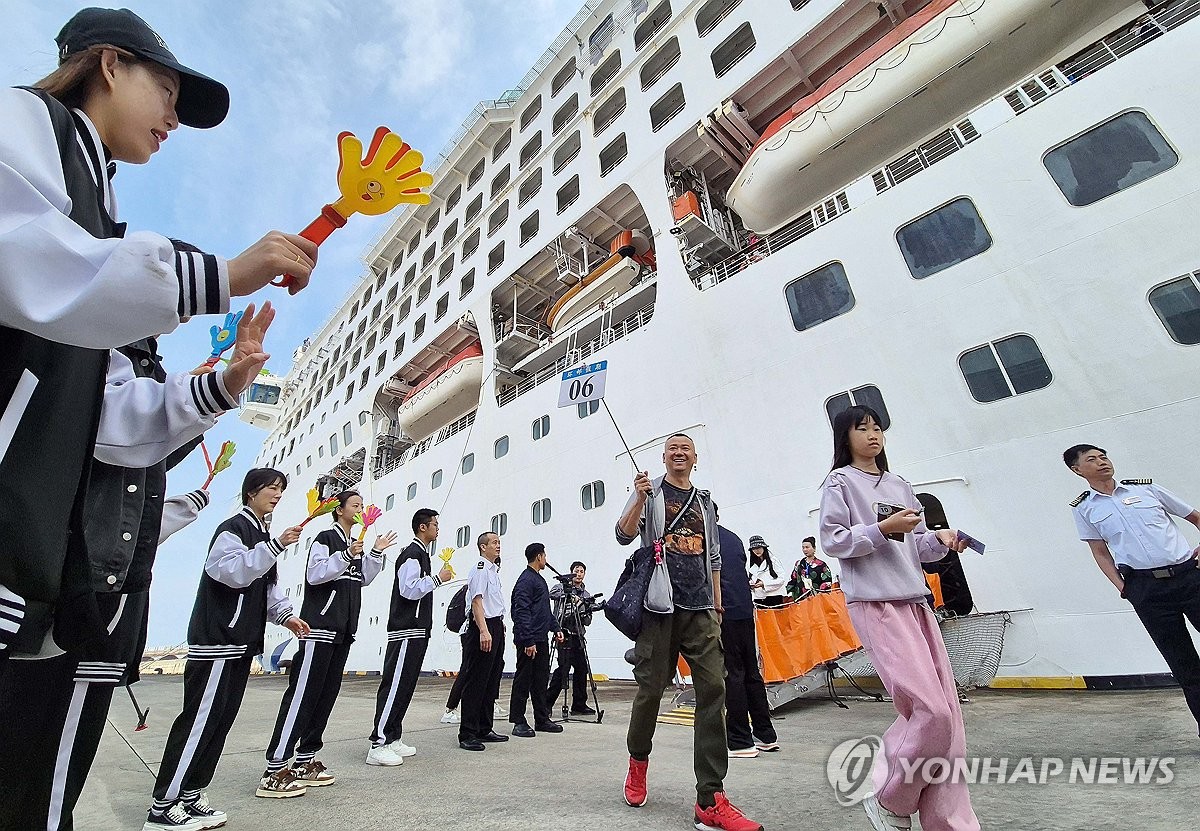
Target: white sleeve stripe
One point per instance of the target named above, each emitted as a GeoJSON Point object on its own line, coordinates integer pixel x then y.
{"type": "Point", "coordinates": [203, 403]}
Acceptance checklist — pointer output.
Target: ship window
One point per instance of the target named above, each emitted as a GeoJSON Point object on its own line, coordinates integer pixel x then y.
{"type": "Point", "coordinates": [540, 427]}
{"type": "Point", "coordinates": [353, 309]}
{"type": "Point", "coordinates": [413, 243]}
{"type": "Point", "coordinates": [451, 233]}
{"type": "Point", "coordinates": [712, 13]}
{"type": "Point", "coordinates": [393, 293]}
{"type": "Point", "coordinates": [541, 511]}
{"type": "Point", "coordinates": [264, 394]}
{"type": "Point", "coordinates": [467, 283]}
{"type": "Point", "coordinates": [434, 219]}
{"type": "Point", "coordinates": [652, 25]}
{"type": "Point", "coordinates": [529, 188]}
{"type": "Point", "coordinates": [419, 327]}
{"type": "Point", "coordinates": [591, 495]}
{"type": "Point", "coordinates": [474, 209]}
{"type": "Point", "coordinates": [608, 112]}
{"type": "Point", "coordinates": [370, 344]}
{"type": "Point", "coordinates": [298, 469]}
{"type": "Point", "coordinates": [308, 460]}
{"type": "Point", "coordinates": [500, 524]}
{"type": "Point", "coordinates": [600, 38]}
{"type": "Point", "coordinates": [445, 269]}
{"type": "Point", "coordinates": [462, 537]}
{"type": "Point", "coordinates": [819, 296]}
{"type": "Point", "coordinates": [613, 155]}
{"type": "Point", "coordinates": [799, 4]}
{"type": "Point", "coordinates": [362, 418]}
{"type": "Point", "coordinates": [731, 50]}
{"type": "Point", "coordinates": [606, 72]}
{"type": "Point", "coordinates": [531, 149]}
{"type": "Point", "coordinates": [376, 310]}
{"type": "Point", "coordinates": [471, 244]}
{"type": "Point", "coordinates": [347, 433]}
{"type": "Point", "coordinates": [405, 310]}
{"type": "Point", "coordinates": [320, 451]}
{"type": "Point", "coordinates": [868, 396]}
{"type": "Point", "coordinates": [587, 408]}
{"type": "Point", "coordinates": [501, 179]}
{"type": "Point", "coordinates": [362, 327]}
{"type": "Point", "coordinates": [1108, 158]}
{"type": "Point", "coordinates": [381, 362]}
{"type": "Point", "coordinates": [531, 112]}
{"type": "Point", "coordinates": [386, 329]}
{"type": "Point", "coordinates": [468, 463]}
{"type": "Point", "coordinates": [443, 305]}
{"type": "Point", "coordinates": [428, 256]}
{"type": "Point", "coordinates": [660, 63]}
{"type": "Point", "coordinates": [357, 357]}
{"type": "Point", "coordinates": [1177, 305]}
{"type": "Point", "coordinates": [475, 175]}
{"type": "Point", "coordinates": [410, 276]}
{"type": "Point", "coordinates": [529, 228]}
{"type": "Point", "coordinates": [412, 491]}
{"type": "Point", "coordinates": [497, 218]}
{"type": "Point", "coordinates": [568, 193]}
{"type": "Point", "coordinates": [362, 381]}
{"type": "Point", "coordinates": [341, 376]}
{"type": "Point", "coordinates": [564, 114]}
{"type": "Point", "coordinates": [424, 289]}
{"type": "Point", "coordinates": [666, 107]}
{"type": "Point", "coordinates": [502, 144]}
{"type": "Point", "coordinates": [943, 238]}
{"type": "Point", "coordinates": [453, 198]}
{"type": "Point", "coordinates": [496, 258]}
{"type": "Point", "coordinates": [563, 77]}
{"type": "Point", "coordinates": [349, 395]}
{"type": "Point", "coordinates": [500, 448]}
{"type": "Point", "coordinates": [333, 445]}
{"type": "Point", "coordinates": [566, 151]}
{"type": "Point", "coordinates": [435, 481]}
{"type": "Point", "coordinates": [390, 503]}
{"type": "Point", "coordinates": [1004, 368]}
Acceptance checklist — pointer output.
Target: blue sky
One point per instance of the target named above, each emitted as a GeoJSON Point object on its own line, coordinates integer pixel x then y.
{"type": "Point", "coordinates": [298, 72]}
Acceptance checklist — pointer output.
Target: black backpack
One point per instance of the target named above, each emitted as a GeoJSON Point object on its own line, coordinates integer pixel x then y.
{"type": "Point", "coordinates": [456, 612]}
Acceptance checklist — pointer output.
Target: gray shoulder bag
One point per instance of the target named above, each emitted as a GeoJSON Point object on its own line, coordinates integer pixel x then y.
{"type": "Point", "coordinates": [659, 598]}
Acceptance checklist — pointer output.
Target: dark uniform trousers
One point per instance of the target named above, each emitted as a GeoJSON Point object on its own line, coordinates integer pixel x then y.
{"type": "Point", "coordinates": [401, 669]}
{"type": "Point", "coordinates": [212, 695]}
{"type": "Point", "coordinates": [745, 694]}
{"type": "Point", "coordinates": [481, 680]}
{"type": "Point", "coordinates": [52, 714]}
{"type": "Point", "coordinates": [529, 682]}
{"type": "Point", "coordinates": [314, 680]}
{"type": "Point", "coordinates": [570, 658]}
{"type": "Point", "coordinates": [1163, 604]}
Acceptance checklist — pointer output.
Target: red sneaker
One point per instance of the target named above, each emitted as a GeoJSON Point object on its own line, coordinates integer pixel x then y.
{"type": "Point", "coordinates": [635, 783]}
{"type": "Point", "coordinates": [723, 817]}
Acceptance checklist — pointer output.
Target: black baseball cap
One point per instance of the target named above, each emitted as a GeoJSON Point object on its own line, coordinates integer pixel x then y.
{"type": "Point", "coordinates": [202, 102]}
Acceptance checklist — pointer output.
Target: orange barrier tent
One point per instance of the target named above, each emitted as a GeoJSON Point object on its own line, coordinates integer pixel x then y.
{"type": "Point", "coordinates": [795, 638]}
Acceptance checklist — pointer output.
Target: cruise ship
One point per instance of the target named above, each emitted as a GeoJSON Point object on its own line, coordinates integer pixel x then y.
{"type": "Point", "coordinates": [974, 215]}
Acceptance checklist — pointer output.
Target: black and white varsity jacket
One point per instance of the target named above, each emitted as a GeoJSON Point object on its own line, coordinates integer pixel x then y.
{"type": "Point", "coordinates": [333, 584]}
{"type": "Point", "coordinates": [238, 591]}
{"type": "Point", "coordinates": [411, 614]}
{"type": "Point", "coordinates": [72, 285]}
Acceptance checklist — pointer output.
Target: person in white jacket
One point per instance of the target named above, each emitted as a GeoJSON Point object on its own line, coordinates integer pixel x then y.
{"type": "Point", "coordinates": [767, 580]}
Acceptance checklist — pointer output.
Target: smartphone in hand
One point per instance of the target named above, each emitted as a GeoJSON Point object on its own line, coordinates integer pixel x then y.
{"type": "Point", "coordinates": [972, 543]}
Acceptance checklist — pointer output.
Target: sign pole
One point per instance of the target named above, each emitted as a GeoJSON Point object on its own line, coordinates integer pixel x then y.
{"type": "Point", "coordinates": [618, 429]}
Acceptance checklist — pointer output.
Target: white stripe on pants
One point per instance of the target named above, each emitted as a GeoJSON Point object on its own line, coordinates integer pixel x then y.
{"type": "Point", "coordinates": [189, 749]}
{"type": "Point", "coordinates": [391, 699]}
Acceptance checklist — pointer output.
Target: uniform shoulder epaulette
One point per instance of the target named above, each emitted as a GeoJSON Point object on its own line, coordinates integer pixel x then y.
{"type": "Point", "coordinates": [1074, 503]}
{"type": "Point", "coordinates": [1137, 481]}
{"type": "Point", "coordinates": [480, 565]}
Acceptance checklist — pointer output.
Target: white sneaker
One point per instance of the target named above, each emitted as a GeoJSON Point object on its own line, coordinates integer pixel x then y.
{"type": "Point", "coordinates": [384, 756]}
{"type": "Point", "coordinates": [767, 747]}
{"type": "Point", "coordinates": [401, 749]}
{"type": "Point", "coordinates": [882, 819]}
{"type": "Point", "coordinates": [209, 816]}
{"type": "Point", "coordinates": [175, 818]}
{"type": "Point", "coordinates": [450, 717]}
{"type": "Point", "coordinates": [743, 753]}
{"type": "Point", "coordinates": [498, 710]}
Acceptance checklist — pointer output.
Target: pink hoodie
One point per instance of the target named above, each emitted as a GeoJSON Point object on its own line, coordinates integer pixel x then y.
{"type": "Point", "coordinates": [874, 567]}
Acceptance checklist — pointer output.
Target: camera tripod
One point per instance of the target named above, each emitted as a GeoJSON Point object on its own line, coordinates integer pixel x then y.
{"type": "Point", "coordinates": [570, 612]}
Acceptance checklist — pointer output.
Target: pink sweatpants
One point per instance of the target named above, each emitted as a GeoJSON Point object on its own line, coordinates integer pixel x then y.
{"type": "Point", "coordinates": [906, 647]}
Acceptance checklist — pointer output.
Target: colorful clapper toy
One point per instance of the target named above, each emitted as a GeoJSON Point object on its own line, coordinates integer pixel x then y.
{"type": "Point", "coordinates": [224, 459]}
{"type": "Point", "coordinates": [223, 337]}
{"type": "Point", "coordinates": [366, 519]}
{"type": "Point", "coordinates": [318, 506]}
{"type": "Point", "coordinates": [389, 175]}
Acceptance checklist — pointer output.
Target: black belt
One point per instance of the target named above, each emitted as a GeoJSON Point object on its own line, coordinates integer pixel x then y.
{"type": "Point", "coordinates": [1165, 571]}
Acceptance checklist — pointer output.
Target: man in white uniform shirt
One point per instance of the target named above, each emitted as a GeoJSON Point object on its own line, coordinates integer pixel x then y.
{"type": "Point", "coordinates": [1128, 526]}
{"type": "Point", "coordinates": [483, 647]}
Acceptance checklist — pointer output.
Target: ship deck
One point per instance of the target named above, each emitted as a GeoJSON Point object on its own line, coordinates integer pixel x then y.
{"type": "Point", "coordinates": [573, 779]}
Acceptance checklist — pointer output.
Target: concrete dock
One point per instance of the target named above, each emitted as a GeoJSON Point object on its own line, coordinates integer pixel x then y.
{"type": "Point", "coordinates": [573, 779]}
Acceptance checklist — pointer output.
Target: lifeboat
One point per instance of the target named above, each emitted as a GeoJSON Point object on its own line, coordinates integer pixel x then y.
{"type": "Point", "coordinates": [782, 177]}
{"type": "Point", "coordinates": [630, 250]}
{"type": "Point", "coordinates": [448, 392]}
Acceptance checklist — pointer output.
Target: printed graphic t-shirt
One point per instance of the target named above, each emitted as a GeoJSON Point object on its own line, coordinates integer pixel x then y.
{"type": "Point", "coordinates": [691, 584]}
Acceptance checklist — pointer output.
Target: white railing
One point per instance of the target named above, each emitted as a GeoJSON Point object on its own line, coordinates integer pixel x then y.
{"type": "Point", "coordinates": [456, 426]}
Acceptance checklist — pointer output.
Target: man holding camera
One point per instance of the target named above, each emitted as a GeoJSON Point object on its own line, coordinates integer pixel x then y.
{"type": "Point", "coordinates": [573, 608]}
{"type": "Point", "coordinates": [532, 625]}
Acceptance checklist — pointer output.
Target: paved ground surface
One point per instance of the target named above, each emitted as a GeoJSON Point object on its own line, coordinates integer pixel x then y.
{"type": "Point", "coordinates": [573, 779]}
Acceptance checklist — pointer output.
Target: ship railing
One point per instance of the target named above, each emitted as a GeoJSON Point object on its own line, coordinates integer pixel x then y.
{"type": "Point", "coordinates": [1032, 91]}
{"type": "Point", "coordinates": [519, 325]}
{"type": "Point", "coordinates": [626, 327]}
{"type": "Point", "coordinates": [456, 426]}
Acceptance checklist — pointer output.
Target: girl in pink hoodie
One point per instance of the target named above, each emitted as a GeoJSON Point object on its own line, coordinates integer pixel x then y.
{"type": "Point", "coordinates": [871, 521]}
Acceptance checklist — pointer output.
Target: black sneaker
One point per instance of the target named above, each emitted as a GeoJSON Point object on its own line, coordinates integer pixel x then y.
{"type": "Point", "coordinates": [582, 710]}
{"type": "Point", "coordinates": [201, 810]}
{"type": "Point", "coordinates": [176, 817]}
